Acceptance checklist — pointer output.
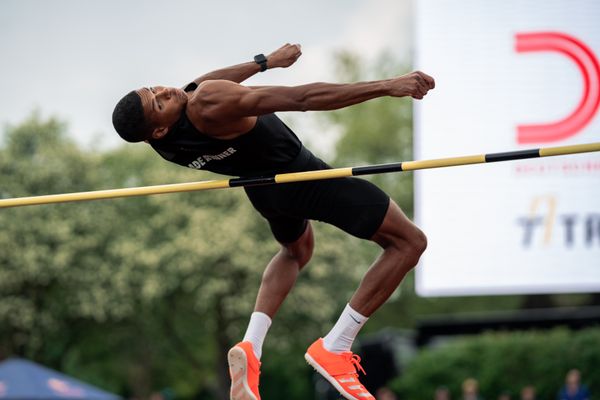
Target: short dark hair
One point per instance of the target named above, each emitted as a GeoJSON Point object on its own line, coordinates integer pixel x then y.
{"type": "Point", "coordinates": [129, 120]}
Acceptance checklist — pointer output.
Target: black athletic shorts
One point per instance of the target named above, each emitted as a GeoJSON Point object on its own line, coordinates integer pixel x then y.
{"type": "Point", "coordinates": [352, 204]}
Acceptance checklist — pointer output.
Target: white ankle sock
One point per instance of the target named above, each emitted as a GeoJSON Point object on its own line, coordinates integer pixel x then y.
{"type": "Point", "coordinates": [344, 331]}
{"type": "Point", "coordinates": [257, 331]}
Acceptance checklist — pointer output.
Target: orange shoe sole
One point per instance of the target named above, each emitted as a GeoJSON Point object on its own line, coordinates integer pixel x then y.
{"type": "Point", "coordinates": [238, 363]}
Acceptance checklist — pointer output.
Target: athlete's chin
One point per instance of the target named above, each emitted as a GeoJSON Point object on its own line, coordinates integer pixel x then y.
{"type": "Point", "coordinates": [183, 103]}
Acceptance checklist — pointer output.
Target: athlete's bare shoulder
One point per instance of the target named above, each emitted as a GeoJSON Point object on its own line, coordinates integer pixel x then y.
{"type": "Point", "coordinates": [211, 108]}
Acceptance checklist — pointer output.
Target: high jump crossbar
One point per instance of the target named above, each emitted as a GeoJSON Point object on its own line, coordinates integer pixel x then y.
{"type": "Point", "coordinates": [301, 176]}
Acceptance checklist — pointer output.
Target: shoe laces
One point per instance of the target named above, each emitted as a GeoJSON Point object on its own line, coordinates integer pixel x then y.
{"type": "Point", "coordinates": [354, 359]}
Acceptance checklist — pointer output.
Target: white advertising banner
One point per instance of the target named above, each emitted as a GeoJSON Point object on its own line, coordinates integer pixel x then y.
{"type": "Point", "coordinates": [510, 75]}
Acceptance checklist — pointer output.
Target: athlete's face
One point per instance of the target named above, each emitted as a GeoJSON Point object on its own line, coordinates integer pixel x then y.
{"type": "Point", "coordinates": [162, 106]}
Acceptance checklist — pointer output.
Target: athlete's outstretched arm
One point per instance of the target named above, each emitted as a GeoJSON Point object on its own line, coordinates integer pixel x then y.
{"type": "Point", "coordinates": [224, 101]}
{"type": "Point", "coordinates": [283, 57]}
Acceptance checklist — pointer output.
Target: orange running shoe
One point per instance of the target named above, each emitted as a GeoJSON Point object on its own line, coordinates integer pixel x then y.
{"type": "Point", "coordinates": [341, 370]}
{"type": "Point", "coordinates": [244, 369]}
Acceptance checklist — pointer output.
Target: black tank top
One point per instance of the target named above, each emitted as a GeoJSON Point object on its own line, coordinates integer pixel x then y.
{"type": "Point", "coordinates": [269, 148]}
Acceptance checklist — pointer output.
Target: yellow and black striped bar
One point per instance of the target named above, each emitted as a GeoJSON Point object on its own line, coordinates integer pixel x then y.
{"type": "Point", "coordinates": [301, 176]}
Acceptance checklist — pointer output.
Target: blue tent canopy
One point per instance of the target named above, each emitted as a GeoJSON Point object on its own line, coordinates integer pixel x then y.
{"type": "Point", "coordinates": [23, 379]}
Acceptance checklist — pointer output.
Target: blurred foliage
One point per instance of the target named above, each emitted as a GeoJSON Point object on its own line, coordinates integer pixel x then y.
{"type": "Point", "coordinates": [143, 293]}
{"type": "Point", "coordinates": [503, 362]}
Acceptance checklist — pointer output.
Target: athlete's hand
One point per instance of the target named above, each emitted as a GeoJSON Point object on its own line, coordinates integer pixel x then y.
{"type": "Point", "coordinates": [284, 56]}
{"type": "Point", "coordinates": [416, 85]}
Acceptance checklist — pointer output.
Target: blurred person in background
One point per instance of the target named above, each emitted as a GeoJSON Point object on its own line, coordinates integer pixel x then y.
{"type": "Point", "coordinates": [504, 396]}
{"type": "Point", "coordinates": [528, 393]}
{"type": "Point", "coordinates": [442, 393]}
{"type": "Point", "coordinates": [573, 389]}
{"type": "Point", "coordinates": [385, 393]}
{"type": "Point", "coordinates": [470, 389]}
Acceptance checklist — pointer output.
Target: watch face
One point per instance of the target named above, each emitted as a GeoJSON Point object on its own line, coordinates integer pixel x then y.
{"type": "Point", "coordinates": [261, 60]}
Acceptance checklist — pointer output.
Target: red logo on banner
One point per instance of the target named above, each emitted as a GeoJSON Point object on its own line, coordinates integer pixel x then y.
{"type": "Point", "coordinates": [589, 67]}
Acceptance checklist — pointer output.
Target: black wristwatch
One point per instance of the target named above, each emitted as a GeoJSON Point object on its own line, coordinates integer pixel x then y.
{"type": "Point", "coordinates": [261, 60]}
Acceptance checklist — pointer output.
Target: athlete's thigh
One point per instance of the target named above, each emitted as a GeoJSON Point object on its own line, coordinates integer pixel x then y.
{"type": "Point", "coordinates": [284, 227]}
{"type": "Point", "coordinates": [352, 204]}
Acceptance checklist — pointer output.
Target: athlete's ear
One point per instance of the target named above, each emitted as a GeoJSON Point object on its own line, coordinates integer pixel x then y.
{"type": "Point", "coordinates": [158, 133]}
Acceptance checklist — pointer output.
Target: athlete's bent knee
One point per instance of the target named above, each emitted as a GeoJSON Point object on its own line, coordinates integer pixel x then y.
{"type": "Point", "coordinates": [418, 242]}
{"type": "Point", "coordinates": [413, 239]}
{"type": "Point", "coordinates": [411, 246]}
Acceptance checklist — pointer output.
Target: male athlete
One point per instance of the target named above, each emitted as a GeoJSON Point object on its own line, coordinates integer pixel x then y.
{"type": "Point", "coordinates": [216, 124]}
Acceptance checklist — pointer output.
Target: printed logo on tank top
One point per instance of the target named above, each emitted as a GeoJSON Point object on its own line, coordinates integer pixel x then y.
{"type": "Point", "coordinates": [201, 161]}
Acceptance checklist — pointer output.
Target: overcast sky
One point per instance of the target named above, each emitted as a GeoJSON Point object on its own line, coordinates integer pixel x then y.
{"type": "Point", "coordinates": [75, 59]}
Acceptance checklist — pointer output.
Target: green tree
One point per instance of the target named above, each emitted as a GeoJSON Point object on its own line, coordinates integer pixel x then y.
{"type": "Point", "coordinates": [143, 293]}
